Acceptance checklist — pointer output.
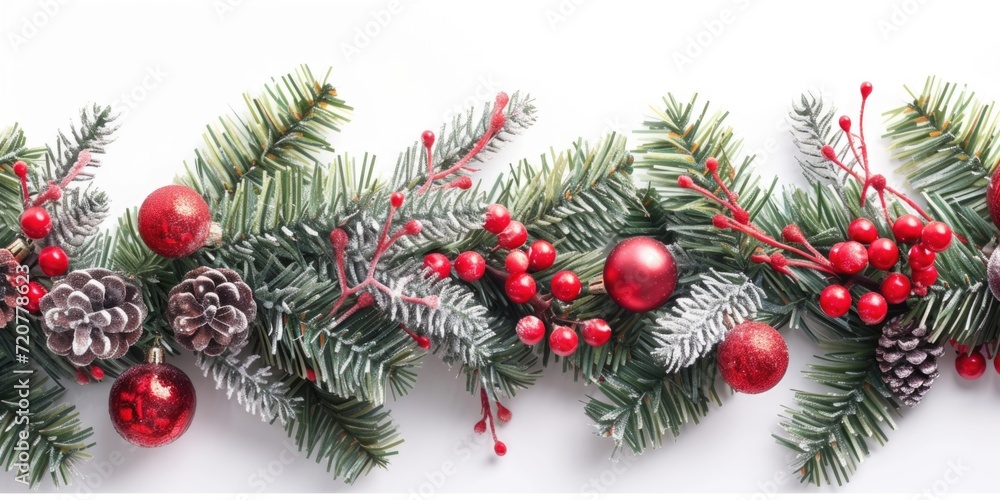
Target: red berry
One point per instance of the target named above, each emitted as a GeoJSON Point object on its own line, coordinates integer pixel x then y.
{"type": "Point", "coordinates": [872, 308]}
{"type": "Point", "coordinates": [541, 255]}
{"type": "Point", "coordinates": [97, 372]}
{"type": "Point", "coordinates": [413, 227]}
{"type": "Point", "coordinates": [480, 426]}
{"type": "Point", "coordinates": [596, 332]}
{"type": "Point", "coordinates": [971, 366]}
{"type": "Point", "coordinates": [866, 89]}
{"type": "Point", "coordinates": [513, 236]}
{"type": "Point", "coordinates": [565, 286]}
{"type": "Point", "coordinates": [36, 223]}
{"type": "Point", "coordinates": [828, 152]}
{"type": "Point", "coordinates": [530, 330]}
{"type": "Point", "coordinates": [883, 254]}
{"type": "Point", "coordinates": [428, 138]}
{"type": "Point", "coordinates": [497, 218]}
{"type": "Point", "coordinates": [862, 230]}
{"type": "Point", "coordinates": [907, 229]}
{"type": "Point", "coordinates": [896, 288]}
{"type": "Point", "coordinates": [470, 266]}
{"type": "Point", "coordinates": [53, 261]}
{"type": "Point", "coordinates": [563, 341]}
{"type": "Point", "coordinates": [845, 123]}
{"type": "Point", "coordinates": [20, 168]}
{"type": "Point", "coordinates": [81, 378]}
{"type": "Point", "coordinates": [849, 257]}
{"type": "Point", "coordinates": [500, 449]}
{"type": "Point", "coordinates": [996, 364]}
{"type": "Point", "coordinates": [36, 292]}
{"type": "Point", "coordinates": [921, 257]}
{"type": "Point", "coordinates": [835, 301]}
{"type": "Point", "coordinates": [338, 238]}
{"type": "Point", "coordinates": [397, 198]}
{"type": "Point", "coordinates": [310, 374]}
{"type": "Point", "coordinates": [712, 164]}
{"type": "Point", "coordinates": [503, 413]}
{"type": "Point", "coordinates": [520, 287]}
{"type": "Point", "coordinates": [924, 277]}
{"type": "Point", "coordinates": [936, 236]}
{"type": "Point", "coordinates": [517, 261]}
{"type": "Point", "coordinates": [439, 264]}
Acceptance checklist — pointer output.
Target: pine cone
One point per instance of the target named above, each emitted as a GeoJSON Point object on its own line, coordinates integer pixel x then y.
{"type": "Point", "coordinates": [10, 278]}
{"type": "Point", "coordinates": [907, 360]}
{"type": "Point", "coordinates": [211, 310]}
{"type": "Point", "coordinates": [92, 314]}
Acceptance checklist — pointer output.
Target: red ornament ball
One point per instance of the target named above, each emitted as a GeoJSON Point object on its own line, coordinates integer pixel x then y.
{"type": "Point", "coordinates": [895, 288]}
{"type": "Point", "coordinates": [541, 255]}
{"type": "Point", "coordinates": [517, 261]}
{"type": "Point", "coordinates": [835, 301]}
{"type": "Point", "coordinates": [993, 197]}
{"type": "Point", "coordinates": [174, 221]}
{"type": "Point", "coordinates": [872, 308]}
{"type": "Point", "coordinates": [640, 274]}
{"type": "Point", "coordinates": [152, 404]}
{"type": "Point", "coordinates": [862, 230]}
{"type": "Point", "coordinates": [470, 266]}
{"type": "Point", "coordinates": [563, 341]}
{"type": "Point", "coordinates": [53, 261]}
{"type": "Point", "coordinates": [438, 264]}
{"type": "Point", "coordinates": [497, 218]}
{"type": "Point", "coordinates": [753, 357]}
{"type": "Point", "coordinates": [849, 257]}
{"type": "Point", "coordinates": [566, 286]}
{"type": "Point", "coordinates": [936, 236]}
{"type": "Point", "coordinates": [883, 254]}
{"type": "Point", "coordinates": [907, 229]}
{"type": "Point", "coordinates": [36, 223]}
{"type": "Point", "coordinates": [513, 236]}
{"type": "Point", "coordinates": [971, 366]}
{"type": "Point", "coordinates": [596, 332]}
{"type": "Point", "coordinates": [530, 330]}
{"type": "Point", "coordinates": [36, 292]}
{"type": "Point", "coordinates": [520, 287]}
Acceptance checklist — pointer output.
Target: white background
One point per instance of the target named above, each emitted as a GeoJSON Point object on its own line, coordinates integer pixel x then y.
{"type": "Point", "coordinates": [594, 67]}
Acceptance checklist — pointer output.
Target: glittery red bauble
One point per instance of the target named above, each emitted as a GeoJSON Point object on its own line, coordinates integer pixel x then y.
{"type": "Point", "coordinates": [152, 404]}
{"type": "Point", "coordinates": [174, 221]}
{"type": "Point", "coordinates": [753, 357]}
{"type": "Point", "coordinates": [640, 274]}
{"type": "Point", "coordinates": [993, 197]}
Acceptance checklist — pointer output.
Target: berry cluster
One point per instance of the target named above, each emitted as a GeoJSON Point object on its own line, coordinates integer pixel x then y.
{"type": "Point", "coordinates": [850, 258]}
{"type": "Point", "coordinates": [970, 363]}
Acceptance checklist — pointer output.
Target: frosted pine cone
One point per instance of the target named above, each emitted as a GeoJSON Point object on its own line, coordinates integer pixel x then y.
{"type": "Point", "coordinates": [211, 310]}
{"type": "Point", "coordinates": [92, 314]}
{"type": "Point", "coordinates": [11, 277]}
{"type": "Point", "coordinates": [907, 360]}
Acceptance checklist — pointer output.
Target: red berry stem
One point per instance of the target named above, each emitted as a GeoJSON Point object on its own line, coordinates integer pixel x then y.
{"type": "Point", "coordinates": [422, 341]}
{"type": "Point", "coordinates": [55, 191]}
{"type": "Point", "coordinates": [21, 170]}
{"type": "Point", "coordinates": [498, 446]}
{"type": "Point", "coordinates": [497, 121]}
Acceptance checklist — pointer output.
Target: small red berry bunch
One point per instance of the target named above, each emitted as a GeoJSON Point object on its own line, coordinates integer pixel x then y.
{"type": "Point", "coordinates": [521, 287]}
{"type": "Point", "coordinates": [36, 223]}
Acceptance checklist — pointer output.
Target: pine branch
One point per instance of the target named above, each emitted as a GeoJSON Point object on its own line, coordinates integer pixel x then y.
{"type": "Point", "coordinates": [76, 218]}
{"type": "Point", "coordinates": [94, 133]}
{"type": "Point", "coordinates": [352, 436]}
{"type": "Point", "coordinates": [811, 129]}
{"type": "Point", "coordinates": [699, 320]}
{"type": "Point", "coordinates": [255, 388]}
{"type": "Point", "coordinates": [56, 438]}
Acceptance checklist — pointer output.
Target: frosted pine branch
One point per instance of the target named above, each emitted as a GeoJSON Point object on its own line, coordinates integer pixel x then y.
{"type": "Point", "coordinates": [695, 323]}
{"type": "Point", "coordinates": [94, 132]}
{"type": "Point", "coordinates": [811, 129]}
{"type": "Point", "coordinates": [77, 217]}
{"type": "Point", "coordinates": [254, 388]}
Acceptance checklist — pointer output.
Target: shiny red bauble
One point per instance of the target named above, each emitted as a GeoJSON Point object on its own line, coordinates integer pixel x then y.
{"type": "Point", "coordinates": [53, 261]}
{"type": "Point", "coordinates": [516, 262]}
{"type": "Point", "coordinates": [862, 230]}
{"type": "Point", "coordinates": [438, 264]}
{"type": "Point", "coordinates": [753, 357]}
{"type": "Point", "coordinates": [970, 366]}
{"type": "Point", "coordinates": [920, 257]}
{"type": "Point", "coordinates": [541, 255]}
{"type": "Point", "coordinates": [895, 288]}
{"type": "Point", "coordinates": [936, 236]}
{"type": "Point", "coordinates": [835, 301]}
{"type": "Point", "coordinates": [513, 236]}
{"type": "Point", "coordinates": [470, 266]}
{"type": "Point", "coordinates": [520, 287]}
{"type": "Point", "coordinates": [174, 221]}
{"type": "Point", "coordinates": [640, 274]}
{"type": "Point", "coordinates": [849, 257]}
{"type": "Point", "coordinates": [883, 254]}
{"type": "Point", "coordinates": [497, 218]}
{"type": "Point", "coordinates": [565, 286]}
{"type": "Point", "coordinates": [152, 404]}
{"type": "Point", "coordinates": [36, 223]}
{"type": "Point", "coordinates": [36, 292]}
{"type": "Point", "coordinates": [993, 197]}
{"type": "Point", "coordinates": [907, 229]}
{"type": "Point", "coordinates": [596, 332]}
{"type": "Point", "coordinates": [872, 308]}
{"type": "Point", "coordinates": [563, 341]}
{"type": "Point", "coordinates": [530, 330]}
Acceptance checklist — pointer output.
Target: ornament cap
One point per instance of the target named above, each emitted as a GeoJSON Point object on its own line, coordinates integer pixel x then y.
{"type": "Point", "coordinates": [155, 354]}
{"type": "Point", "coordinates": [20, 249]}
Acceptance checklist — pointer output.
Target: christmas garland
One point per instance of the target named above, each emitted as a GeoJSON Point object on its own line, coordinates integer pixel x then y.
{"type": "Point", "coordinates": [309, 288]}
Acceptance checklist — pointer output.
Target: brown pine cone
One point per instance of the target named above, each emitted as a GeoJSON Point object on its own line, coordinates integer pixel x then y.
{"type": "Point", "coordinates": [10, 279]}
{"type": "Point", "coordinates": [908, 362]}
{"type": "Point", "coordinates": [211, 310]}
{"type": "Point", "coordinates": [92, 314]}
